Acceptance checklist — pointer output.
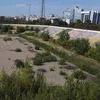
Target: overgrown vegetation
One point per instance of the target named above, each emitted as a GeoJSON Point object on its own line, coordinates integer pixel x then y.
{"type": "Point", "coordinates": [62, 62]}
{"type": "Point", "coordinates": [62, 73]}
{"type": "Point", "coordinates": [18, 50]}
{"type": "Point", "coordinates": [5, 28]}
{"type": "Point", "coordinates": [79, 75]}
{"type": "Point", "coordinates": [52, 68]}
{"type": "Point", "coordinates": [25, 84]}
{"type": "Point", "coordinates": [94, 52]}
{"type": "Point", "coordinates": [20, 29]}
{"type": "Point", "coordinates": [19, 63]}
{"type": "Point", "coordinates": [87, 65]}
{"type": "Point", "coordinates": [29, 33]}
{"type": "Point", "coordinates": [7, 38]}
{"type": "Point", "coordinates": [80, 46]}
{"type": "Point", "coordinates": [63, 37]}
{"type": "Point", "coordinates": [44, 57]}
{"type": "Point", "coordinates": [37, 48]}
{"type": "Point", "coordinates": [45, 36]}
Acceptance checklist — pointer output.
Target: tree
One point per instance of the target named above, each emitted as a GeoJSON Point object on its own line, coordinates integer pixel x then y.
{"type": "Point", "coordinates": [59, 22]}
{"type": "Point", "coordinates": [72, 24]}
{"type": "Point", "coordinates": [20, 29]}
{"type": "Point", "coordinates": [81, 46]}
{"type": "Point", "coordinates": [6, 28]}
{"type": "Point", "coordinates": [78, 24]}
{"type": "Point", "coordinates": [45, 36]}
{"type": "Point", "coordinates": [94, 53]}
{"type": "Point", "coordinates": [78, 21]}
{"type": "Point", "coordinates": [64, 36]}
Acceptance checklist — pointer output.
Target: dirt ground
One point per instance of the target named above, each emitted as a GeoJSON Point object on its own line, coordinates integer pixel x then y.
{"type": "Point", "coordinates": [8, 56]}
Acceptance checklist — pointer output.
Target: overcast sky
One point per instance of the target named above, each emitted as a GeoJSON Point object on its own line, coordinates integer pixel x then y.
{"type": "Point", "coordinates": [18, 7]}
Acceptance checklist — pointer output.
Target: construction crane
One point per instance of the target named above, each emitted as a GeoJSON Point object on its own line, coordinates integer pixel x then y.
{"type": "Point", "coordinates": [43, 9]}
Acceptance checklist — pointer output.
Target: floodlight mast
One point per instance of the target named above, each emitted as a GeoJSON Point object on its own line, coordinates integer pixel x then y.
{"type": "Point", "coordinates": [29, 5]}
{"type": "Point", "coordinates": [43, 9]}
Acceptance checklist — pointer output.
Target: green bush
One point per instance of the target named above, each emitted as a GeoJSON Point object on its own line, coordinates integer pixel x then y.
{"type": "Point", "coordinates": [45, 36]}
{"type": "Point", "coordinates": [20, 29]}
{"type": "Point", "coordinates": [37, 48]}
{"type": "Point", "coordinates": [52, 69]}
{"type": "Point", "coordinates": [81, 46]}
{"type": "Point", "coordinates": [66, 77]}
{"type": "Point", "coordinates": [18, 50]}
{"type": "Point", "coordinates": [8, 38]}
{"type": "Point", "coordinates": [70, 44]}
{"type": "Point", "coordinates": [37, 61]}
{"type": "Point", "coordinates": [62, 73]}
{"type": "Point", "coordinates": [6, 28]}
{"type": "Point", "coordinates": [64, 36]}
{"type": "Point", "coordinates": [44, 57]}
{"type": "Point", "coordinates": [79, 75]}
{"type": "Point", "coordinates": [24, 84]}
{"type": "Point", "coordinates": [49, 58]}
{"type": "Point", "coordinates": [62, 62]}
{"type": "Point", "coordinates": [41, 70]}
{"type": "Point", "coordinates": [94, 53]}
{"type": "Point", "coordinates": [83, 63]}
{"type": "Point", "coordinates": [19, 64]}
{"type": "Point", "coordinates": [29, 33]}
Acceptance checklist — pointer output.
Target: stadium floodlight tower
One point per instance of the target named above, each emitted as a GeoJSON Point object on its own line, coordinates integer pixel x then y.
{"type": "Point", "coordinates": [29, 5]}
{"type": "Point", "coordinates": [43, 9]}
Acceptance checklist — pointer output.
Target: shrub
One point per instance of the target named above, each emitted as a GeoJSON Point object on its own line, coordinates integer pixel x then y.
{"type": "Point", "coordinates": [8, 38]}
{"type": "Point", "coordinates": [62, 73]}
{"type": "Point", "coordinates": [45, 36]}
{"type": "Point", "coordinates": [62, 62]}
{"type": "Point", "coordinates": [84, 64]}
{"type": "Point", "coordinates": [42, 70]}
{"type": "Point", "coordinates": [49, 58]}
{"type": "Point", "coordinates": [70, 67]}
{"type": "Point", "coordinates": [66, 77]}
{"type": "Point", "coordinates": [44, 57]}
{"type": "Point", "coordinates": [64, 36]}
{"type": "Point", "coordinates": [37, 48]}
{"type": "Point", "coordinates": [81, 46]}
{"type": "Point", "coordinates": [36, 30]}
{"type": "Point", "coordinates": [6, 28]}
{"type": "Point", "coordinates": [61, 67]}
{"type": "Point", "coordinates": [79, 75]}
{"type": "Point", "coordinates": [20, 29]}
{"type": "Point", "coordinates": [19, 64]}
{"type": "Point", "coordinates": [69, 44]}
{"type": "Point", "coordinates": [29, 33]}
{"type": "Point", "coordinates": [18, 50]}
{"type": "Point", "coordinates": [37, 61]}
{"type": "Point", "coordinates": [97, 44]}
{"type": "Point", "coordinates": [52, 69]}
{"type": "Point", "coordinates": [94, 53]}
{"type": "Point", "coordinates": [10, 32]}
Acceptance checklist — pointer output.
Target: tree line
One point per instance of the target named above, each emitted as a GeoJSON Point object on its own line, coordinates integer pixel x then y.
{"type": "Point", "coordinates": [57, 22]}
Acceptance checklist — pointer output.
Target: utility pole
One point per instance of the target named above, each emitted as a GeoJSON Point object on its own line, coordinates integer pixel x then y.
{"type": "Point", "coordinates": [29, 5]}
{"type": "Point", "coordinates": [43, 9]}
